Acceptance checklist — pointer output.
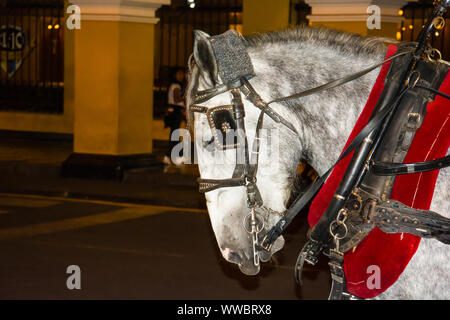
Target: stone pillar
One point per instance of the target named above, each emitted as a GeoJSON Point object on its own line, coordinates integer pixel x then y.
{"type": "Point", "coordinates": [351, 16]}
{"type": "Point", "coordinates": [265, 15]}
{"type": "Point", "coordinates": [113, 87]}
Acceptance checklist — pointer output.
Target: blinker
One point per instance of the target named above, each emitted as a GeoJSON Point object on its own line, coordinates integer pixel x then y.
{"type": "Point", "coordinates": [223, 127]}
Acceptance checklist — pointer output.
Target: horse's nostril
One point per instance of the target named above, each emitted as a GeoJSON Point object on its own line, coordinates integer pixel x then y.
{"type": "Point", "coordinates": [234, 257]}
{"type": "Point", "coordinates": [231, 256]}
{"type": "Point", "coordinates": [264, 256]}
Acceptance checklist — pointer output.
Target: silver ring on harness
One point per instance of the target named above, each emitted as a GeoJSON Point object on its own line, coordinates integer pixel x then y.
{"type": "Point", "coordinates": [257, 223]}
{"type": "Point", "coordinates": [334, 225]}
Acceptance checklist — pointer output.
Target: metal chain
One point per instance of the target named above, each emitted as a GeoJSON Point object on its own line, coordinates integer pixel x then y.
{"type": "Point", "coordinates": [253, 228]}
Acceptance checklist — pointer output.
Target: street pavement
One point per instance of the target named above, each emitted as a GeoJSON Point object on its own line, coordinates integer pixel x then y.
{"type": "Point", "coordinates": [30, 166]}
{"type": "Point", "coordinates": [145, 237]}
{"type": "Point", "coordinates": [133, 251]}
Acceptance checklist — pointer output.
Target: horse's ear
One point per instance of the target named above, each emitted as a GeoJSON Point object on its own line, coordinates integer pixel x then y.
{"type": "Point", "coordinates": [205, 58]}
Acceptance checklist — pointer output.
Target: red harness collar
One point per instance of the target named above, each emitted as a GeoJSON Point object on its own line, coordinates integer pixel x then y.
{"type": "Point", "coordinates": [391, 253]}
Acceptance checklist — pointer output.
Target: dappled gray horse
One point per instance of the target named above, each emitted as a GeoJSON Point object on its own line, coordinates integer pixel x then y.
{"type": "Point", "coordinates": [284, 63]}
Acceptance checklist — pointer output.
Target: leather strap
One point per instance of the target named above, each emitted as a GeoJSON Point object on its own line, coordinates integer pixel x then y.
{"type": "Point", "coordinates": [208, 94]}
{"type": "Point", "coordinates": [395, 169]}
{"type": "Point", "coordinates": [208, 185]}
{"type": "Point", "coordinates": [251, 95]}
{"type": "Point", "coordinates": [395, 217]}
{"type": "Point", "coordinates": [198, 109]}
{"type": "Point", "coordinates": [256, 147]}
{"type": "Point", "coordinates": [339, 282]}
{"type": "Point", "coordinates": [338, 82]}
{"type": "Point", "coordinates": [420, 86]}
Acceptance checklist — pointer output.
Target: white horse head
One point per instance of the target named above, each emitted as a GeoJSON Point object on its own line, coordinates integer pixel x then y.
{"type": "Point", "coordinates": [284, 63]}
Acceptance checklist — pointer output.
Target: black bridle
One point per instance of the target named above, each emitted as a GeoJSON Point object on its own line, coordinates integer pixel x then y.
{"type": "Point", "coordinates": [223, 119]}
{"type": "Point", "coordinates": [226, 119]}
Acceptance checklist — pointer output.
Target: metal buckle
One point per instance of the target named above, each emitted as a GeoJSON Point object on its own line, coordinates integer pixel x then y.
{"type": "Point", "coordinates": [414, 121]}
{"type": "Point", "coordinates": [411, 84]}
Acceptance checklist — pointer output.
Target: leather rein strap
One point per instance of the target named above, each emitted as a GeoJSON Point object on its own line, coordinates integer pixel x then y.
{"type": "Point", "coordinates": [395, 169]}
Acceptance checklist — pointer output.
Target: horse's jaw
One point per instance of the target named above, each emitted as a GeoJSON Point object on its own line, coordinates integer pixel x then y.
{"type": "Point", "coordinates": [227, 209]}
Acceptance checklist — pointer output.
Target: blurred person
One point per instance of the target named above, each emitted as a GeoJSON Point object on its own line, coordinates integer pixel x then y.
{"type": "Point", "coordinates": [176, 111]}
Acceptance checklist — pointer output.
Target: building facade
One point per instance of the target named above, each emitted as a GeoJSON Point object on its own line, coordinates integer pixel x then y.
{"type": "Point", "coordinates": [104, 83]}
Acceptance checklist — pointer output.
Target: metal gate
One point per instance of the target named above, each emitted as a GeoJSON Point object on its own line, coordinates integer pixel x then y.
{"type": "Point", "coordinates": [32, 55]}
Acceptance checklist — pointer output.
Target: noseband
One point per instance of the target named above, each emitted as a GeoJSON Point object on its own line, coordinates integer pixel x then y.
{"type": "Point", "coordinates": [224, 119]}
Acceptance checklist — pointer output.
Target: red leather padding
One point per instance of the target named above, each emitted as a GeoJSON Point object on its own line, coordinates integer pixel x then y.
{"type": "Point", "coordinates": [391, 252]}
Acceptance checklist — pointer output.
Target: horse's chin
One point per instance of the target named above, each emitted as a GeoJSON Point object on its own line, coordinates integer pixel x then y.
{"type": "Point", "coordinates": [249, 270]}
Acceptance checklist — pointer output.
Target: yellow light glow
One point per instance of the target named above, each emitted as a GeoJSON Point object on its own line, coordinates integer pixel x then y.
{"type": "Point", "coordinates": [56, 26]}
{"type": "Point", "coordinates": [400, 12]}
{"type": "Point", "coordinates": [399, 35]}
{"type": "Point", "coordinates": [404, 29]}
{"type": "Point", "coordinates": [50, 27]}
{"type": "Point", "coordinates": [436, 34]}
{"type": "Point", "coordinates": [411, 26]}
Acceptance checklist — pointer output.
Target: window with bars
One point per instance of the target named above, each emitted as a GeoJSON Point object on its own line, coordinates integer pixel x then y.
{"type": "Point", "coordinates": [32, 55]}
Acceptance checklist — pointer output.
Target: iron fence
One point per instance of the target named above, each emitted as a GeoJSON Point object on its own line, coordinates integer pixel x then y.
{"type": "Point", "coordinates": [32, 55]}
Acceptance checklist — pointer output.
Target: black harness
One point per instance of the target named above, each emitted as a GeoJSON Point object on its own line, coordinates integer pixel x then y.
{"type": "Point", "coordinates": [224, 120]}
